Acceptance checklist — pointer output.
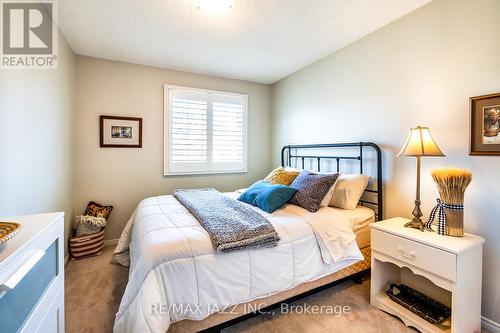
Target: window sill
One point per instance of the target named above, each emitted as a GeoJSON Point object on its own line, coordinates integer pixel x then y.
{"type": "Point", "coordinates": [202, 173]}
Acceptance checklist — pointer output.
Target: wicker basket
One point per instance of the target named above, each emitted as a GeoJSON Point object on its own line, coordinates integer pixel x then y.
{"type": "Point", "coordinates": [86, 246]}
{"type": "Point", "coordinates": [418, 303]}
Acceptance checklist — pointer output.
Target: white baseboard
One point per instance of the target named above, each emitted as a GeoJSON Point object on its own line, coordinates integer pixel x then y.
{"type": "Point", "coordinates": [489, 325]}
{"type": "Point", "coordinates": [110, 242]}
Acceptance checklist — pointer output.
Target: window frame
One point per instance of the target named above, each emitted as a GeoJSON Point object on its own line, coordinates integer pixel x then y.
{"type": "Point", "coordinates": [208, 167]}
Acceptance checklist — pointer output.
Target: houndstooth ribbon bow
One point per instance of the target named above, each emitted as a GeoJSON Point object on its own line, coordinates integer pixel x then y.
{"type": "Point", "coordinates": [439, 209]}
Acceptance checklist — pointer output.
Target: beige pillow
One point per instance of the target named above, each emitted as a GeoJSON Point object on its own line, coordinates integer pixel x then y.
{"type": "Point", "coordinates": [348, 190]}
{"type": "Point", "coordinates": [282, 176]}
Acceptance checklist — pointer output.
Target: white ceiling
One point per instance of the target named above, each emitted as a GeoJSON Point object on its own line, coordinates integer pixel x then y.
{"type": "Point", "coordinates": [255, 40]}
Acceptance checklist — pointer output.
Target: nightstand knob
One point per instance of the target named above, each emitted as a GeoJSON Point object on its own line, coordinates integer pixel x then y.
{"type": "Point", "coordinates": [410, 255]}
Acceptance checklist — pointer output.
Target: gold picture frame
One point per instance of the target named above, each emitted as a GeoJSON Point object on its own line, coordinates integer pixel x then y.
{"type": "Point", "coordinates": [485, 125]}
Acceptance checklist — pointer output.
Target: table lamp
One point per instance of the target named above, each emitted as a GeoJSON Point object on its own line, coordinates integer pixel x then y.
{"type": "Point", "coordinates": [419, 143]}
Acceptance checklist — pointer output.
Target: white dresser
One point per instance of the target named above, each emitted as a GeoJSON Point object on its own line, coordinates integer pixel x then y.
{"type": "Point", "coordinates": [448, 269]}
{"type": "Point", "coordinates": [32, 275]}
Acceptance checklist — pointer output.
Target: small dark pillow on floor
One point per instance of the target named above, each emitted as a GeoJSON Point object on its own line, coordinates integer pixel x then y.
{"type": "Point", "coordinates": [98, 210]}
{"type": "Point", "coordinates": [311, 189]}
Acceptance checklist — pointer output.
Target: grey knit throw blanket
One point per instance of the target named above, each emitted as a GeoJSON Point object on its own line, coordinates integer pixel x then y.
{"type": "Point", "coordinates": [231, 225]}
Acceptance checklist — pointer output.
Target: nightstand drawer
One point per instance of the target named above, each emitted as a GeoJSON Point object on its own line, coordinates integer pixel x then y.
{"type": "Point", "coordinates": [425, 257]}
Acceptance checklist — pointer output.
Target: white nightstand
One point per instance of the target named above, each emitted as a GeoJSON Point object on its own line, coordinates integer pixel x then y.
{"type": "Point", "coordinates": [448, 269]}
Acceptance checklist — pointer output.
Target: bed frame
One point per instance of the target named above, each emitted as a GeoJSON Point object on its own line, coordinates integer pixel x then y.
{"type": "Point", "coordinates": [313, 154]}
{"type": "Point", "coordinates": [295, 153]}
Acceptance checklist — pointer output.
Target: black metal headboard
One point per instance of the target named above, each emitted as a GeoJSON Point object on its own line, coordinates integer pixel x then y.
{"type": "Point", "coordinates": [298, 153]}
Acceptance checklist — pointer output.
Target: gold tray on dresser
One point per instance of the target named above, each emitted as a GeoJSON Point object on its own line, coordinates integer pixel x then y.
{"type": "Point", "coordinates": [8, 230]}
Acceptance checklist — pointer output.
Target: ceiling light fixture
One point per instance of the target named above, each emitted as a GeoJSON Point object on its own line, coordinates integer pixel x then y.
{"type": "Point", "coordinates": [214, 6]}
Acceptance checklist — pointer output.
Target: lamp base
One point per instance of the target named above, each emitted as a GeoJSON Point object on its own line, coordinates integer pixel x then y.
{"type": "Point", "coordinates": [416, 222]}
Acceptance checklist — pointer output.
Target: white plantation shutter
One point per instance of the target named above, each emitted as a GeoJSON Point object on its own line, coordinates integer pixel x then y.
{"type": "Point", "coordinates": [189, 130]}
{"type": "Point", "coordinates": [205, 131]}
{"type": "Point", "coordinates": [227, 142]}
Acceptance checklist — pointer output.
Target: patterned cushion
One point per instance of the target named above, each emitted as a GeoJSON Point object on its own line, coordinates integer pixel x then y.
{"type": "Point", "coordinates": [311, 189]}
{"type": "Point", "coordinates": [98, 210]}
{"type": "Point", "coordinates": [282, 176]}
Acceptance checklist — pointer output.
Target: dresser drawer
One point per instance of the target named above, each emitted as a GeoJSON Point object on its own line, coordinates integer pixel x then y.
{"type": "Point", "coordinates": [32, 276]}
{"type": "Point", "coordinates": [425, 257]}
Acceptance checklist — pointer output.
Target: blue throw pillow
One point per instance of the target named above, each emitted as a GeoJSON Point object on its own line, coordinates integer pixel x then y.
{"type": "Point", "coordinates": [267, 197]}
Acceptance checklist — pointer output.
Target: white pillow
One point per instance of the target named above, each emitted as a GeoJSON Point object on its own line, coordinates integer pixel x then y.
{"type": "Point", "coordinates": [348, 190]}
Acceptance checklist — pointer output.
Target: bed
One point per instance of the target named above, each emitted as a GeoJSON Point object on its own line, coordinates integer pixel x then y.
{"type": "Point", "coordinates": [177, 282]}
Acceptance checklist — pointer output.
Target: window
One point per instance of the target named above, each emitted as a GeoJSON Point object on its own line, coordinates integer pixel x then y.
{"type": "Point", "coordinates": [205, 131]}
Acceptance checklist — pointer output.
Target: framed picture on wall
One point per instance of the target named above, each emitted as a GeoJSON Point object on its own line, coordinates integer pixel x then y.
{"type": "Point", "coordinates": [485, 125]}
{"type": "Point", "coordinates": [122, 132]}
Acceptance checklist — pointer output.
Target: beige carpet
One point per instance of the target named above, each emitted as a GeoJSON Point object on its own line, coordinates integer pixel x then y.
{"type": "Point", "coordinates": [94, 289]}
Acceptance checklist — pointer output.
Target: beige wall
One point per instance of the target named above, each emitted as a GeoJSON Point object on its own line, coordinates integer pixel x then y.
{"type": "Point", "coordinates": [124, 176]}
{"type": "Point", "coordinates": [419, 70]}
{"type": "Point", "coordinates": [36, 110]}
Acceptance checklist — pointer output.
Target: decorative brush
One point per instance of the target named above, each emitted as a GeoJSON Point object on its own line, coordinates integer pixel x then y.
{"type": "Point", "coordinates": [452, 184]}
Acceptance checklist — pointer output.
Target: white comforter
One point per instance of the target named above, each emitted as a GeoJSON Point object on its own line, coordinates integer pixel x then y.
{"type": "Point", "coordinates": [175, 273]}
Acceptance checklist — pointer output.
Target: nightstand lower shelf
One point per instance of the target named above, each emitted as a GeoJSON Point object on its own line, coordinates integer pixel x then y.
{"type": "Point", "coordinates": [383, 302]}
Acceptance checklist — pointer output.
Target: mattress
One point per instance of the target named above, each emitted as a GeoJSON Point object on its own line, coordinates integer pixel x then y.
{"type": "Point", "coordinates": [173, 263]}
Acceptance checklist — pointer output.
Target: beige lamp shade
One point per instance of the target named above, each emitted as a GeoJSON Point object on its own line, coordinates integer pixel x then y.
{"type": "Point", "coordinates": [420, 143]}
